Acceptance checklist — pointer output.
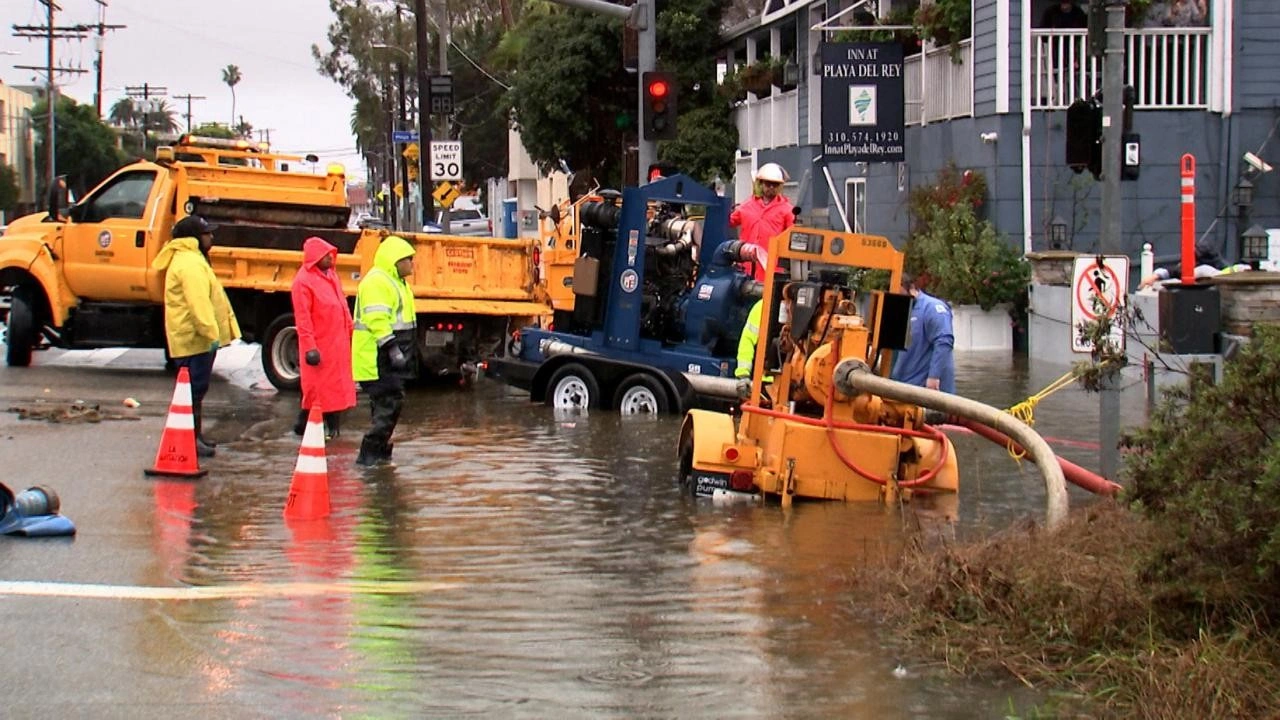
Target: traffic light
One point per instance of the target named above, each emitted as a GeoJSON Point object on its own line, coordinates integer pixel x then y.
{"type": "Point", "coordinates": [659, 105]}
{"type": "Point", "coordinates": [1084, 137]}
{"type": "Point", "coordinates": [660, 170]}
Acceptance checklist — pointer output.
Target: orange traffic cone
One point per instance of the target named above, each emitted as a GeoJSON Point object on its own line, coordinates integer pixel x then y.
{"type": "Point", "coordinates": [177, 454]}
{"type": "Point", "coordinates": [309, 492]}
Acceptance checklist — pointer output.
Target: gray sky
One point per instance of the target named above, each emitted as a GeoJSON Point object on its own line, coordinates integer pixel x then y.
{"type": "Point", "coordinates": [183, 45]}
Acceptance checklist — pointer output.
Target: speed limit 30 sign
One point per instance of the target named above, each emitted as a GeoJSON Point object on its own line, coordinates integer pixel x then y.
{"type": "Point", "coordinates": [446, 159]}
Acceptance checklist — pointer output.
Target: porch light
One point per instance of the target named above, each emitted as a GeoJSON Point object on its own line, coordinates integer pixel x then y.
{"type": "Point", "coordinates": [1243, 195]}
{"type": "Point", "coordinates": [1253, 246]}
{"type": "Point", "coordinates": [1058, 233]}
{"type": "Point", "coordinates": [790, 72]}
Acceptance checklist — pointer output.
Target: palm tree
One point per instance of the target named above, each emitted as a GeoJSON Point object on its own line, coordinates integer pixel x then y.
{"type": "Point", "coordinates": [124, 113]}
{"type": "Point", "coordinates": [231, 76]}
{"type": "Point", "coordinates": [164, 119]}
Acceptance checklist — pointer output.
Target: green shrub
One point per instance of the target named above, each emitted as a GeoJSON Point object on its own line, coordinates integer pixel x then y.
{"type": "Point", "coordinates": [1207, 466]}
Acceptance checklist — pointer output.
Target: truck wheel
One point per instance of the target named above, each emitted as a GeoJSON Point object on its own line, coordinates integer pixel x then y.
{"type": "Point", "coordinates": [280, 353]}
{"type": "Point", "coordinates": [641, 394]}
{"type": "Point", "coordinates": [573, 387]}
{"type": "Point", "coordinates": [22, 329]}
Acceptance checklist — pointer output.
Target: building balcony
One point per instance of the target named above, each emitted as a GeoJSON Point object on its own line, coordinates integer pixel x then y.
{"type": "Point", "coordinates": [1169, 68]}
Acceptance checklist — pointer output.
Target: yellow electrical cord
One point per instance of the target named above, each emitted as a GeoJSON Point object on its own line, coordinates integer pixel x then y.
{"type": "Point", "coordinates": [1026, 410]}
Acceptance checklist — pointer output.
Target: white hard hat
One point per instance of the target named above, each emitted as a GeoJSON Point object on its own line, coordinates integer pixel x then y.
{"type": "Point", "coordinates": [771, 172]}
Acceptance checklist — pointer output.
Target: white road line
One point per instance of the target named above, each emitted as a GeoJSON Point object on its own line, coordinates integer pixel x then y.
{"type": "Point", "coordinates": [216, 592]}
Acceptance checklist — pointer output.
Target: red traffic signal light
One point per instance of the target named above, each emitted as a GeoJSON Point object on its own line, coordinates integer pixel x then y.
{"type": "Point", "coordinates": [659, 90]}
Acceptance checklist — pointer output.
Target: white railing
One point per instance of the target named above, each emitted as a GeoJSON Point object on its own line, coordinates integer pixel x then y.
{"type": "Point", "coordinates": [769, 122]}
{"type": "Point", "coordinates": [1168, 67]}
{"type": "Point", "coordinates": [937, 87]}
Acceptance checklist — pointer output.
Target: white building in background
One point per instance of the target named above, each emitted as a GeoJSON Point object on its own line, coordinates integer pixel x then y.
{"type": "Point", "coordinates": [17, 142]}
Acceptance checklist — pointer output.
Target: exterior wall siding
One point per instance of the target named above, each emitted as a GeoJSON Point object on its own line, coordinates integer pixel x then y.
{"type": "Point", "coordinates": [984, 57]}
{"type": "Point", "coordinates": [1150, 205]}
{"type": "Point", "coordinates": [1257, 53]}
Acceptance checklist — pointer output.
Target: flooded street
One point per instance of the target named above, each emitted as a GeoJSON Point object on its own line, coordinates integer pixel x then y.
{"type": "Point", "coordinates": [513, 563]}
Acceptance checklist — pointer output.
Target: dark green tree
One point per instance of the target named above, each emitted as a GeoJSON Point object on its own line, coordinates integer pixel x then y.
{"type": "Point", "coordinates": [369, 76]}
{"type": "Point", "coordinates": [570, 91]}
{"type": "Point", "coordinates": [85, 148]}
{"type": "Point", "coordinates": [707, 137]}
{"type": "Point", "coordinates": [8, 189]}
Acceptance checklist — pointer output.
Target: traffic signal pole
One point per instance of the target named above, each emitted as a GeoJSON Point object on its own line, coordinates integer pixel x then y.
{"type": "Point", "coordinates": [1111, 240]}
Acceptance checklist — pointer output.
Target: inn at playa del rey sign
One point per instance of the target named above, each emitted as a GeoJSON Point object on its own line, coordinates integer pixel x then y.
{"type": "Point", "coordinates": [863, 108]}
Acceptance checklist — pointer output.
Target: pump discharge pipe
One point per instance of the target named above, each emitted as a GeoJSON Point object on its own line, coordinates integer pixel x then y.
{"type": "Point", "coordinates": [853, 377]}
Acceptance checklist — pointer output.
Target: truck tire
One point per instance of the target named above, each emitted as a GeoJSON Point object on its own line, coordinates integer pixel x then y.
{"type": "Point", "coordinates": [573, 387]}
{"type": "Point", "coordinates": [21, 336]}
{"type": "Point", "coordinates": [280, 353]}
{"type": "Point", "coordinates": [641, 394]}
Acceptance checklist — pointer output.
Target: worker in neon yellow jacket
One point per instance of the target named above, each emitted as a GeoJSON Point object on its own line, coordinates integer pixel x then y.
{"type": "Point", "coordinates": [384, 344]}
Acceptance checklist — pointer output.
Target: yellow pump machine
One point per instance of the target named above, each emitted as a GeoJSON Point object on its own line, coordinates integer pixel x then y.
{"type": "Point", "coordinates": [804, 430]}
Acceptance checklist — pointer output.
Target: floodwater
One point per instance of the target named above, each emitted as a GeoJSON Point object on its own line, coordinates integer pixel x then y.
{"type": "Point", "coordinates": [568, 577]}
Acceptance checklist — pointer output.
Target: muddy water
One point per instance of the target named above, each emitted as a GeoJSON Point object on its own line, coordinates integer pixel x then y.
{"type": "Point", "coordinates": [572, 578]}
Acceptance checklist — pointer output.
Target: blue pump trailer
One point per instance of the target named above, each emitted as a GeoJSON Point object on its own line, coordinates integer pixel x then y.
{"type": "Point", "coordinates": [660, 302]}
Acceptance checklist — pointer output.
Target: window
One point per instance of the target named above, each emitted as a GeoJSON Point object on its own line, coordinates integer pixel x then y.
{"type": "Point", "coordinates": [3, 116]}
{"type": "Point", "coordinates": [125, 197]}
{"type": "Point", "coordinates": [855, 204]}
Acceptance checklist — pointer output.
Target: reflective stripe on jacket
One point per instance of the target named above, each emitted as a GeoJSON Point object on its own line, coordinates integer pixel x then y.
{"type": "Point", "coordinates": [748, 341]}
{"type": "Point", "coordinates": [384, 310]}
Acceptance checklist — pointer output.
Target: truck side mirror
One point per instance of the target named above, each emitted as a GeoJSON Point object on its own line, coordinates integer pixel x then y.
{"type": "Point", "coordinates": [59, 197]}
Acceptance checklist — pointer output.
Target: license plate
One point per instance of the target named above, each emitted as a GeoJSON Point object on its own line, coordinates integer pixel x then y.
{"type": "Point", "coordinates": [437, 338]}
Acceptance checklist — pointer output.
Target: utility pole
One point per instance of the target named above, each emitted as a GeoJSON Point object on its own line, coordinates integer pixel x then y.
{"type": "Point", "coordinates": [49, 32]}
{"type": "Point", "coordinates": [442, 52]}
{"type": "Point", "coordinates": [145, 92]}
{"type": "Point", "coordinates": [406, 206]}
{"type": "Point", "coordinates": [1111, 240]}
{"type": "Point", "coordinates": [102, 27]}
{"type": "Point", "coordinates": [424, 101]}
{"type": "Point", "coordinates": [189, 97]}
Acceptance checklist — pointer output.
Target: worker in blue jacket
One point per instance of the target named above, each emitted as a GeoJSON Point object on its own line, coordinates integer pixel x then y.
{"type": "Point", "coordinates": [927, 361]}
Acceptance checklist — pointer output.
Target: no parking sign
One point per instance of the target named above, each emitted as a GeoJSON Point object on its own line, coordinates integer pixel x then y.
{"type": "Point", "coordinates": [1106, 279]}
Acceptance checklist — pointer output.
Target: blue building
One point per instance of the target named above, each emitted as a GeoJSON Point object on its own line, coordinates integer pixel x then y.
{"type": "Point", "coordinates": [997, 102]}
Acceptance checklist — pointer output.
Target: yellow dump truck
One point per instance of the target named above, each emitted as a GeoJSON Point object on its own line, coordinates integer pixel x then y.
{"type": "Point", "coordinates": [82, 278]}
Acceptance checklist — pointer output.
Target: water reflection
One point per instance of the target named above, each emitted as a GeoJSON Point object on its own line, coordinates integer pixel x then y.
{"type": "Point", "coordinates": [581, 582]}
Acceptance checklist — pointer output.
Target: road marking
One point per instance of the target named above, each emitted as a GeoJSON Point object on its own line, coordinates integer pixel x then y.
{"type": "Point", "coordinates": [216, 592]}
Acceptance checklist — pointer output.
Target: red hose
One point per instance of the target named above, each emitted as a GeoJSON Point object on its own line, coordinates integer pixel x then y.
{"type": "Point", "coordinates": [1074, 474]}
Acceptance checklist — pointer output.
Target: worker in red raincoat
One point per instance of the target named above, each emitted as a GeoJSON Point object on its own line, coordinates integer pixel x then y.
{"type": "Point", "coordinates": [323, 320]}
{"type": "Point", "coordinates": [765, 214]}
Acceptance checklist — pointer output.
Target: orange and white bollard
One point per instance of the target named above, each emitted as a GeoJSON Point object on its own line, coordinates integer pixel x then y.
{"type": "Point", "coordinates": [1188, 219]}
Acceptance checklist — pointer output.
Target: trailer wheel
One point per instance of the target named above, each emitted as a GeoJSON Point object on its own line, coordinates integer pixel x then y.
{"type": "Point", "coordinates": [280, 353]}
{"type": "Point", "coordinates": [641, 394]}
{"type": "Point", "coordinates": [573, 387]}
{"type": "Point", "coordinates": [21, 329]}
{"type": "Point", "coordinates": [685, 475]}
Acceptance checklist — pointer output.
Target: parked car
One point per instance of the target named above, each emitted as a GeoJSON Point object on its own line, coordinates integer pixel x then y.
{"type": "Point", "coordinates": [464, 222]}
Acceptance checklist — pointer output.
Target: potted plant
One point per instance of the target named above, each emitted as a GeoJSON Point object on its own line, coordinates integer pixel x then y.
{"type": "Point", "coordinates": [959, 257]}
{"type": "Point", "coordinates": [901, 15]}
{"type": "Point", "coordinates": [760, 76]}
{"type": "Point", "coordinates": [731, 87]}
{"type": "Point", "coordinates": [945, 22]}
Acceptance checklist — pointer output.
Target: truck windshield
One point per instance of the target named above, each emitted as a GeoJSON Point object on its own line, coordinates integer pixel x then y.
{"type": "Point", "coordinates": [125, 197]}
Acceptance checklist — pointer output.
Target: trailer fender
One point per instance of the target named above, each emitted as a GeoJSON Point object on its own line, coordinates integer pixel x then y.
{"type": "Point", "coordinates": [707, 433]}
